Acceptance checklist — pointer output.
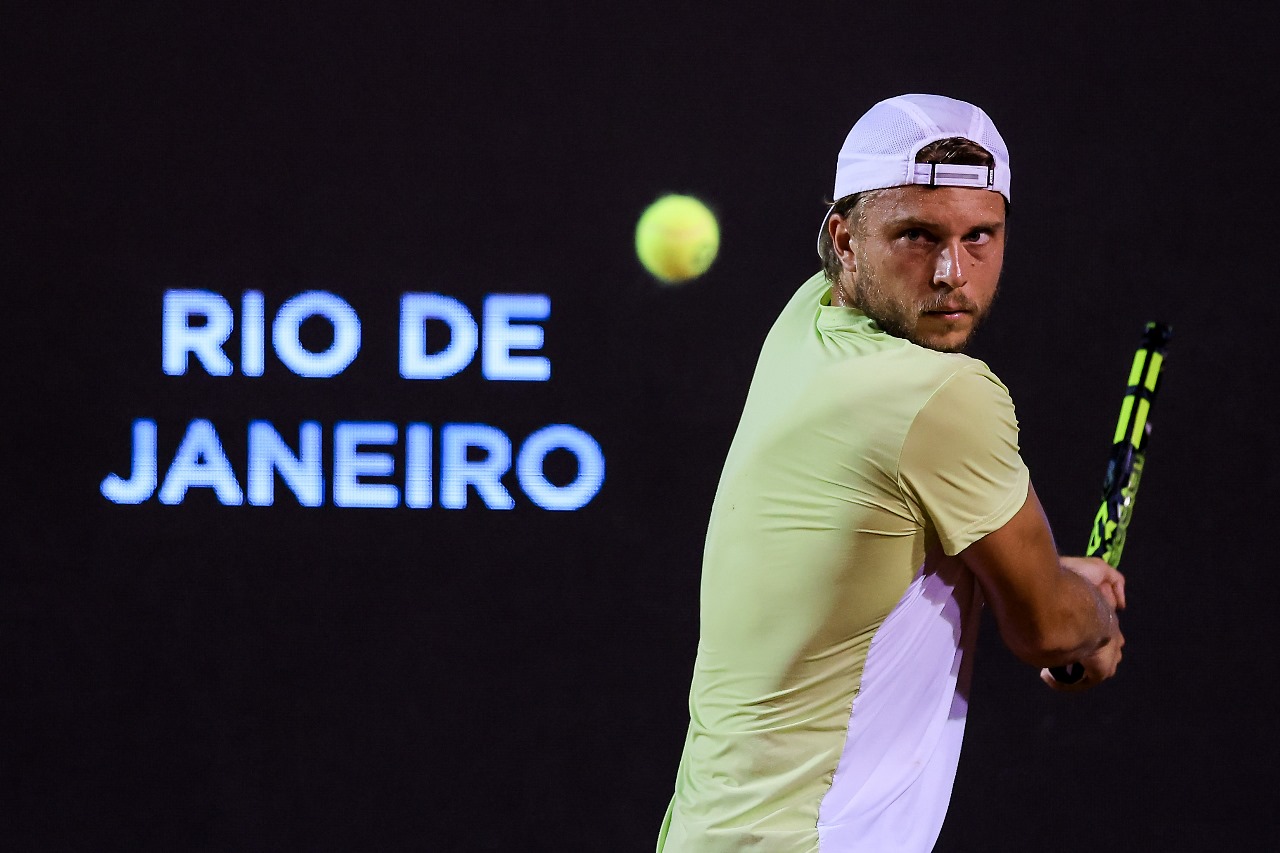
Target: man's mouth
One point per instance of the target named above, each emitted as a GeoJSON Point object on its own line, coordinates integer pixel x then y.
{"type": "Point", "coordinates": [953, 305]}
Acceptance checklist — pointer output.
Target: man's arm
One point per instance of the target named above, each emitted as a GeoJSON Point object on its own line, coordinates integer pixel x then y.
{"type": "Point", "coordinates": [1051, 611]}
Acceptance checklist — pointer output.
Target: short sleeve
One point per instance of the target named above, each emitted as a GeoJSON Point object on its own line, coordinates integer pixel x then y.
{"type": "Point", "coordinates": [960, 467]}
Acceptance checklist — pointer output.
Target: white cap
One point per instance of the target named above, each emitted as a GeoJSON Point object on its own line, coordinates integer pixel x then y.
{"type": "Point", "coordinates": [880, 151]}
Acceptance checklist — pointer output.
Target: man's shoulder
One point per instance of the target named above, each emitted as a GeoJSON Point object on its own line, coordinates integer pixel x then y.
{"type": "Point", "coordinates": [951, 366]}
{"type": "Point", "coordinates": [970, 369]}
{"type": "Point", "coordinates": [930, 370]}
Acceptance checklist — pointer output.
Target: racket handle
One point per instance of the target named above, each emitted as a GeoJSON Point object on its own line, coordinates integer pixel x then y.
{"type": "Point", "coordinates": [1069, 674]}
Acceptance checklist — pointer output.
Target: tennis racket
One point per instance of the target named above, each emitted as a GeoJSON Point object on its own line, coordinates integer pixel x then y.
{"type": "Point", "coordinates": [1128, 455]}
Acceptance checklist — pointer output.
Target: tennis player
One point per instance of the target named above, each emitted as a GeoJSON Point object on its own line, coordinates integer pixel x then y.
{"type": "Point", "coordinates": [872, 499]}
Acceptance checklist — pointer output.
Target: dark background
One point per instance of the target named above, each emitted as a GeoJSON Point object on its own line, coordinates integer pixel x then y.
{"type": "Point", "coordinates": [201, 677]}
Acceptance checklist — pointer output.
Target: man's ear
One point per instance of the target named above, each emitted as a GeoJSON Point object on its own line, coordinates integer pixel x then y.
{"type": "Point", "coordinates": [843, 242]}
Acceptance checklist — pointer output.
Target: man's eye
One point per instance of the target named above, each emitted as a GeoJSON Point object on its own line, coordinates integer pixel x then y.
{"type": "Point", "coordinates": [979, 237]}
{"type": "Point", "coordinates": [913, 234]}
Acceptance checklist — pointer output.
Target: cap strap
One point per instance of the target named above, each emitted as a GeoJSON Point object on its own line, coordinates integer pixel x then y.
{"type": "Point", "coordinates": [953, 175]}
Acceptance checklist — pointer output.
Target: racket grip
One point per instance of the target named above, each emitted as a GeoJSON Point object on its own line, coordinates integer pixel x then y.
{"type": "Point", "coordinates": [1069, 674]}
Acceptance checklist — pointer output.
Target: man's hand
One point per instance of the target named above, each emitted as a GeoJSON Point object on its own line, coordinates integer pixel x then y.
{"type": "Point", "coordinates": [1099, 573]}
{"type": "Point", "coordinates": [1100, 665]}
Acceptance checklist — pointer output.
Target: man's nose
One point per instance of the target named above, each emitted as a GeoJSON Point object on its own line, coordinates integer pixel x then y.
{"type": "Point", "coordinates": [948, 271]}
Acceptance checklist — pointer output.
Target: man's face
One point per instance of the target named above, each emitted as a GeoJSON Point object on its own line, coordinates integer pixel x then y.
{"type": "Point", "coordinates": [926, 261]}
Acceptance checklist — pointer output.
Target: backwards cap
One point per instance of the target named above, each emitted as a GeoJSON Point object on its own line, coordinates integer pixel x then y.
{"type": "Point", "coordinates": [880, 151]}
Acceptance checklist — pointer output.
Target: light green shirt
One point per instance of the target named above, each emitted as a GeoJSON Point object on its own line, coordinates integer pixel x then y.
{"type": "Point", "coordinates": [858, 455]}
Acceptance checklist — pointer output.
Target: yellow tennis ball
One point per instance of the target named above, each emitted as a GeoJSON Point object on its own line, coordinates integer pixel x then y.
{"type": "Point", "coordinates": [677, 238]}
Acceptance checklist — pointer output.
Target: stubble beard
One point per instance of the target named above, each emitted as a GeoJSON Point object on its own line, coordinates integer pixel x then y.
{"type": "Point", "coordinates": [901, 319]}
